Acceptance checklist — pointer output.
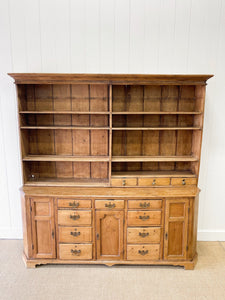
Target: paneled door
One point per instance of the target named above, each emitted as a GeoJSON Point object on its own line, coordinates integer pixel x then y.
{"type": "Point", "coordinates": [109, 235]}
{"type": "Point", "coordinates": [43, 229]}
{"type": "Point", "coordinates": [176, 226]}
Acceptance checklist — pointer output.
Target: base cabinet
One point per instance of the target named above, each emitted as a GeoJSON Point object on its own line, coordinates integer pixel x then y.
{"type": "Point", "coordinates": [111, 231]}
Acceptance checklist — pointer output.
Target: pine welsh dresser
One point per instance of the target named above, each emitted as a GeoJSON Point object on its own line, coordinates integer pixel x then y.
{"type": "Point", "coordinates": [110, 167]}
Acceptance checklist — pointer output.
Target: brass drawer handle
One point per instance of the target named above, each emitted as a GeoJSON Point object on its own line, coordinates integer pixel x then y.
{"type": "Point", "coordinates": [124, 182]}
{"type": "Point", "coordinates": [75, 252]}
{"type": "Point", "coordinates": [153, 182]}
{"type": "Point", "coordinates": [110, 205]}
{"type": "Point", "coordinates": [143, 234]}
{"type": "Point", "coordinates": [183, 181]}
{"type": "Point", "coordinates": [144, 218]}
{"type": "Point", "coordinates": [76, 233]}
{"type": "Point", "coordinates": [74, 204]}
{"type": "Point", "coordinates": [144, 205]}
{"type": "Point", "coordinates": [143, 252]}
{"type": "Point", "coordinates": [74, 217]}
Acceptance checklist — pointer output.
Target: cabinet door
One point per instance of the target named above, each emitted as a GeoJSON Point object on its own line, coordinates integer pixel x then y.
{"type": "Point", "coordinates": [109, 234]}
{"type": "Point", "coordinates": [176, 224]}
{"type": "Point", "coordinates": [43, 228]}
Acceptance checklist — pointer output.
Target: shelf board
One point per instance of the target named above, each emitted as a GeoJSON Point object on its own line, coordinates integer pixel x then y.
{"type": "Point", "coordinates": [65, 158]}
{"type": "Point", "coordinates": [62, 112]}
{"type": "Point", "coordinates": [156, 128]}
{"type": "Point", "coordinates": [153, 158]}
{"type": "Point", "coordinates": [67, 182]}
{"type": "Point", "coordinates": [63, 127]}
{"type": "Point", "coordinates": [157, 113]}
{"type": "Point", "coordinates": [153, 174]}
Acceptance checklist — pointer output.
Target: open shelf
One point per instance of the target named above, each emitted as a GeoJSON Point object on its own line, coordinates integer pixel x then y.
{"type": "Point", "coordinates": [65, 158]}
{"type": "Point", "coordinates": [153, 158]}
{"type": "Point", "coordinates": [153, 174]}
{"type": "Point", "coordinates": [67, 182]}
{"type": "Point", "coordinates": [63, 127]}
{"type": "Point", "coordinates": [62, 112]}
{"type": "Point", "coordinates": [157, 113]}
{"type": "Point", "coordinates": [156, 128]}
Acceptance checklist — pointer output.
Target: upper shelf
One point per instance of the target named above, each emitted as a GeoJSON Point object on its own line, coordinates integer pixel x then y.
{"type": "Point", "coordinates": [153, 158]}
{"type": "Point", "coordinates": [63, 127]}
{"type": "Point", "coordinates": [117, 79]}
{"type": "Point", "coordinates": [157, 113]}
{"type": "Point", "coordinates": [61, 112]}
{"type": "Point", "coordinates": [157, 128]}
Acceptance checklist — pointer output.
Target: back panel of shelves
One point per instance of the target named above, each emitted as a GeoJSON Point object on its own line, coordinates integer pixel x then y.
{"type": "Point", "coordinates": [82, 134]}
{"type": "Point", "coordinates": [65, 134]}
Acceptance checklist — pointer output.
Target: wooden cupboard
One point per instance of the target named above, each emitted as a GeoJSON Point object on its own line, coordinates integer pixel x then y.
{"type": "Point", "coordinates": [110, 167]}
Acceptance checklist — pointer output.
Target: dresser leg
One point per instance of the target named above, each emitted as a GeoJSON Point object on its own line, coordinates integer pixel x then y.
{"type": "Point", "coordinates": [191, 265]}
{"type": "Point", "coordinates": [28, 263]}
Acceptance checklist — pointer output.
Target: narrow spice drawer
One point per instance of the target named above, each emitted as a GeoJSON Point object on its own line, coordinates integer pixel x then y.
{"type": "Point", "coordinates": [153, 181]}
{"type": "Point", "coordinates": [144, 204]}
{"type": "Point", "coordinates": [75, 251]}
{"type": "Point", "coordinates": [110, 204]}
{"type": "Point", "coordinates": [184, 181]}
{"type": "Point", "coordinates": [143, 252]}
{"type": "Point", "coordinates": [124, 181]}
{"type": "Point", "coordinates": [74, 203]}
{"type": "Point", "coordinates": [75, 234]}
{"type": "Point", "coordinates": [144, 218]}
{"type": "Point", "coordinates": [71, 217]}
{"type": "Point", "coordinates": [139, 235]}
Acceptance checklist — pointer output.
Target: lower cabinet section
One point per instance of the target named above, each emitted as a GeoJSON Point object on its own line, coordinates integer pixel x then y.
{"type": "Point", "coordinates": [112, 230]}
{"type": "Point", "coordinates": [75, 251]}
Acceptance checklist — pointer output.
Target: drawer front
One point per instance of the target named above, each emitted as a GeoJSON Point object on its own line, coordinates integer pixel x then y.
{"type": "Point", "coordinates": [143, 252]}
{"type": "Point", "coordinates": [153, 181]}
{"type": "Point", "coordinates": [74, 203]}
{"type": "Point", "coordinates": [124, 181]}
{"type": "Point", "coordinates": [74, 218]}
{"type": "Point", "coordinates": [144, 218]}
{"type": "Point", "coordinates": [139, 235]}
{"type": "Point", "coordinates": [75, 234]}
{"type": "Point", "coordinates": [144, 204]}
{"type": "Point", "coordinates": [109, 204]}
{"type": "Point", "coordinates": [75, 251]}
{"type": "Point", "coordinates": [183, 181]}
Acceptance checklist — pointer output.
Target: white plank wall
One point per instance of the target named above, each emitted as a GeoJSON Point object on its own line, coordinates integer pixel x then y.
{"type": "Point", "coordinates": [115, 36]}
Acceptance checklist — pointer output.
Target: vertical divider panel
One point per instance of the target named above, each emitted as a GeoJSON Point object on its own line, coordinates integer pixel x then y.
{"type": "Point", "coordinates": [110, 133]}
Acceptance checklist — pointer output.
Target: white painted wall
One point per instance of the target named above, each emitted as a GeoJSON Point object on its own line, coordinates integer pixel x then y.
{"type": "Point", "coordinates": [115, 36]}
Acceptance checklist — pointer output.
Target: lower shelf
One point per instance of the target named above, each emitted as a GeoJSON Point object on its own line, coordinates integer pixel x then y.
{"type": "Point", "coordinates": [153, 174]}
{"type": "Point", "coordinates": [67, 182]}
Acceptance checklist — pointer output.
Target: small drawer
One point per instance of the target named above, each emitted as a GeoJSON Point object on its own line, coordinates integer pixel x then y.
{"type": "Point", "coordinates": [143, 252]}
{"type": "Point", "coordinates": [75, 251]}
{"type": "Point", "coordinates": [124, 181]}
{"type": "Point", "coordinates": [144, 218]}
{"type": "Point", "coordinates": [144, 204]}
{"type": "Point", "coordinates": [109, 204]}
{"type": "Point", "coordinates": [153, 181]}
{"type": "Point", "coordinates": [75, 234]}
{"type": "Point", "coordinates": [74, 203]}
{"type": "Point", "coordinates": [140, 235]}
{"type": "Point", "coordinates": [184, 181]}
{"type": "Point", "coordinates": [73, 218]}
